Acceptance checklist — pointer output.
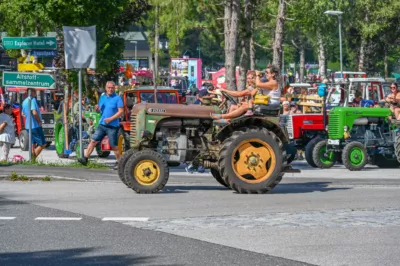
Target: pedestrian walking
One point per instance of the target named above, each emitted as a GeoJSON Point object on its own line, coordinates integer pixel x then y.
{"type": "Point", "coordinates": [38, 139]}
{"type": "Point", "coordinates": [111, 108]}
{"type": "Point", "coordinates": [7, 131]}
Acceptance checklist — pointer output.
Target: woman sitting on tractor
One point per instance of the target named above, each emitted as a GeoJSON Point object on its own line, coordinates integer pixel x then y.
{"type": "Point", "coordinates": [269, 88]}
{"type": "Point", "coordinates": [394, 100]}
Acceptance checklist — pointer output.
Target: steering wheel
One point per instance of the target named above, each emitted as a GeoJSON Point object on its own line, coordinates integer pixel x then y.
{"type": "Point", "coordinates": [229, 97]}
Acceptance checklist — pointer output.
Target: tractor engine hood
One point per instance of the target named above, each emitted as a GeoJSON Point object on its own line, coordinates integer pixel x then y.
{"type": "Point", "coordinates": [176, 110]}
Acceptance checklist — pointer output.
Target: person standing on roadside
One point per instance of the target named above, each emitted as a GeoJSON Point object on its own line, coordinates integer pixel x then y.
{"type": "Point", "coordinates": [37, 130]}
{"type": "Point", "coordinates": [111, 108]}
{"type": "Point", "coordinates": [7, 132]}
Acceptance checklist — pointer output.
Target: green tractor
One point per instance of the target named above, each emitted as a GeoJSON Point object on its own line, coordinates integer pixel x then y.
{"type": "Point", "coordinates": [359, 136]}
{"type": "Point", "coordinates": [247, 155]}
{"type": "Point", "coordinates": [65, 146]}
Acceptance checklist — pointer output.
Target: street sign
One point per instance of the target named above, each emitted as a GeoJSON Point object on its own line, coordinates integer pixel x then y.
{"type": "Point", "coordinates": [29, 42]}
{"type": "Point", "coordinates": [29, 80]}
{"type": "Point", "coordinates": [44, 53]}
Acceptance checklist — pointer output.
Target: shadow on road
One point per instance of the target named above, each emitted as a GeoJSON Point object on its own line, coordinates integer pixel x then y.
{"type": "Point", "coordinates": [308, 187]}
{"type": "Point", "coordinates": [186, 189]}
{"type": "Point", "coordinates": [69, 257]}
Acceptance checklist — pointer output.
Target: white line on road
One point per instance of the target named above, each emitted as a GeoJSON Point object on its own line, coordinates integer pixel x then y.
{"type": "Point", "coordinates": [7, 218]}
{"type": "Point", "coordinates": [58, 218]}
{"type": "Point", "coordinates": [130, 219]}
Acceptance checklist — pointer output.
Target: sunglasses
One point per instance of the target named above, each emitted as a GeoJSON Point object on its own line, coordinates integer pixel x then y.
{"type": "Point", "coordinates": [393, 87]}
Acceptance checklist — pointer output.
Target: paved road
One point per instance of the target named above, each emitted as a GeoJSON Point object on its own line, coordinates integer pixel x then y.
{"type": "Point", "coordinates": [319, 217]}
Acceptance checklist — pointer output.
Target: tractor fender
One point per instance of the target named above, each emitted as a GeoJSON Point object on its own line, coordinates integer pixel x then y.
{"type": "Point", "coordinates": [272, 126]}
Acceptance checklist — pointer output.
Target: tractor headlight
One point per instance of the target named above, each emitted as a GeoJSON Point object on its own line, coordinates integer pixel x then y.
{"type": "Point", "coordinates": [327, 127]}
{"type": "Point", "coordinates": [346, 128]}
{"type": "Point", "coordinates": [51, 121]}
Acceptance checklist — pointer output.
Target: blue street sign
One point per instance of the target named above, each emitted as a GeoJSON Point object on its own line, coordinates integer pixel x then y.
{"type": "Point", "coordinates": [44, 53]}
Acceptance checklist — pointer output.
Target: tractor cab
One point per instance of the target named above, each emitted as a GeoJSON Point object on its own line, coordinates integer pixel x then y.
{"type": "Point", "coordinates": [364, 92]}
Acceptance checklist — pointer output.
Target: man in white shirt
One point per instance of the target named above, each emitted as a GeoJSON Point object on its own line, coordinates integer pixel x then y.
{"type": "Point", "coordinates": [7, 132]}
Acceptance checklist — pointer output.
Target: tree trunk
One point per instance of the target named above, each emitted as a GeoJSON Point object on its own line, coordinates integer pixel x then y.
{"type": "Point", "coordinates": [361, 57]}
{"type": "Point", "coordinates": [385, 63]}
{"type": "Point", "coordinates": [231, 23]}
{"type": "Point", "coordinates": [245, 44]}
{"type": "Point", "coordinates": [302, 62]}
{"type": "Point", "coordinates": [252, 53]}
{"type": "Point", "coordinates": [321, 55]}
{"type": "Point", "coordinates": [279, 31]}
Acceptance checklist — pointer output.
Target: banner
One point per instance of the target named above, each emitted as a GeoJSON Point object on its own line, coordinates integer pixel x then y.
{"type": "Point", "coordinates": [80, 47]}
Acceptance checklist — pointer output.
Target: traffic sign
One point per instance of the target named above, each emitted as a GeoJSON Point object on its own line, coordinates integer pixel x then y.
{"type": "Point", "coordinates": [29, 42]}
{"type": "Point", "coordinates": [29, 80]}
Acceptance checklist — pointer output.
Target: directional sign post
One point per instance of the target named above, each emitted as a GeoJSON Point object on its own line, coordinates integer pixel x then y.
{"type": "Point", "coordinates": [30, 43]}
{"type": "Point", "coordinates": [29, 80]}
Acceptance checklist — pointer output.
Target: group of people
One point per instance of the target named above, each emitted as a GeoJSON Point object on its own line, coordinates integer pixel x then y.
{"type": "Point", "coordinates": [7, 127]}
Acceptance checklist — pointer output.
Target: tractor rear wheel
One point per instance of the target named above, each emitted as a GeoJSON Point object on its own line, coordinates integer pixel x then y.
{"type": "Point", "coordinates": [397, 148]}
{"type": "Point", "coordinates": [309, 151]}
{"type": "Point", "coordinates": [252, 160]}
{"type": "Point", "coordinates": [215, 173]}
{"type": "Point", "coordinates": [354, 156]}
{"type": "Point", "coordinates": [321, 157]}
{"type": "Point", "coordinates": [146, 171]}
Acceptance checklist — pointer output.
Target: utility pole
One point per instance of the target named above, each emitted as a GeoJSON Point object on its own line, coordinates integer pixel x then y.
{"type": "Point", "coordinates": [155, 55]}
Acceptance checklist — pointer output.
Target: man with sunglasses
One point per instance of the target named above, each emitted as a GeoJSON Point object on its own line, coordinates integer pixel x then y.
{"type": "Point", "coordinates": [394, 100]}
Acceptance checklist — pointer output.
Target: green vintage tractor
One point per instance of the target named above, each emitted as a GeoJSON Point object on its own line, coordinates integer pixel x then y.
{"type": "Point", "coordinates": [359, 136]}
{"type": "Point", "coordinates": [248, 155]}
{"type": "Point", "coordinates": [89, 125]}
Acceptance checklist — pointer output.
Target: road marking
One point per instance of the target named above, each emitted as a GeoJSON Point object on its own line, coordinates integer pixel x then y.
{"type": "Point", "coordinates": [7, 218]}
{"type": "Point", "coordinates": [58, 218]}
{"type": "Point", "coordinates": [130, 219]}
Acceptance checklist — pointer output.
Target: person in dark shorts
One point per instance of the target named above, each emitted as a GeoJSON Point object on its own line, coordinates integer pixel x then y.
{"type": "Point", "coordinates": [111, 108]}
{"type": "Point", "coordinates": [38, 138]}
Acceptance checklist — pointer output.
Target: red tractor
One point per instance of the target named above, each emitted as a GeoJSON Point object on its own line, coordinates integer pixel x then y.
{"type": "Point", "coordinates": [15, 96]}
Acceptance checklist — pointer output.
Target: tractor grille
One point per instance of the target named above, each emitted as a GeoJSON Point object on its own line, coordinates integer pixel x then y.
{"type": "Point", "coordinates": [334, 126]}
{"type": "Point", "coordinates": [133, 135]}
{"type": "Point", "coordinates": [289, 126]}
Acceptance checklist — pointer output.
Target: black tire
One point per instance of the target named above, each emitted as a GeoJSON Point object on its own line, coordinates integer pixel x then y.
{"type": "Point", "coordinates": [126, 144]}
{"type": "Point", "coordinates": [309, 151]}
{"type": "Point", "coordinates": [157, 161]}
{"type": "Point", "coordinates": [397, 148]}
{"type": "Point", "coordinates": [122, 163]}
{"type": "Point", "coordinates": [242, 184]}
{"type": "Point", "coordinates": [24, 140]}
{"type": "Point", "coordinates": [215, 173]}
{"type": "Point", "coordinates": [100, 153]}
{"type": "Point", "coordinates": [322, 162]}
{"type": "Point", "coordinates": [362, 157]}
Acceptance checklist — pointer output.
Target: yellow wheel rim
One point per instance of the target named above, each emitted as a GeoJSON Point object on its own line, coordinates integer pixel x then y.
{"type": "Point", "coordinates": [121, 144]}
{"type": "Point", "coordinates": [253, 161]}
{"type": "Point", "coordinates": [146, 172]}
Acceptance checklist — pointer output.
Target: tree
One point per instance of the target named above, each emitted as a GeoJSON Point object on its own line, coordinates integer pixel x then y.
{"type": "Point", "coordinates": [231, 26]}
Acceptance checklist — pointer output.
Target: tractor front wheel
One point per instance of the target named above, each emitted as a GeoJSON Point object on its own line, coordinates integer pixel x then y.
{"type": "Point", "coordinates": [354, 156]}
{"type": "Point", "coordinates": [309, 151]}
{"type": "Point", "coordinates": [321, 157]}
{"type": "Point", "coordinates": [100, 152]}
{"type": "Point", "coordinates": [24, 140]}
{"type": "Point", "coordinates": [146, 172]}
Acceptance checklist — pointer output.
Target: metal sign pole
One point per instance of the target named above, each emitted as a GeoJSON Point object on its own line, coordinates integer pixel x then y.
{"type": "Point", "coordinates": [30, 125]}
{"type": "Point", "coordinates": [80, 112]}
